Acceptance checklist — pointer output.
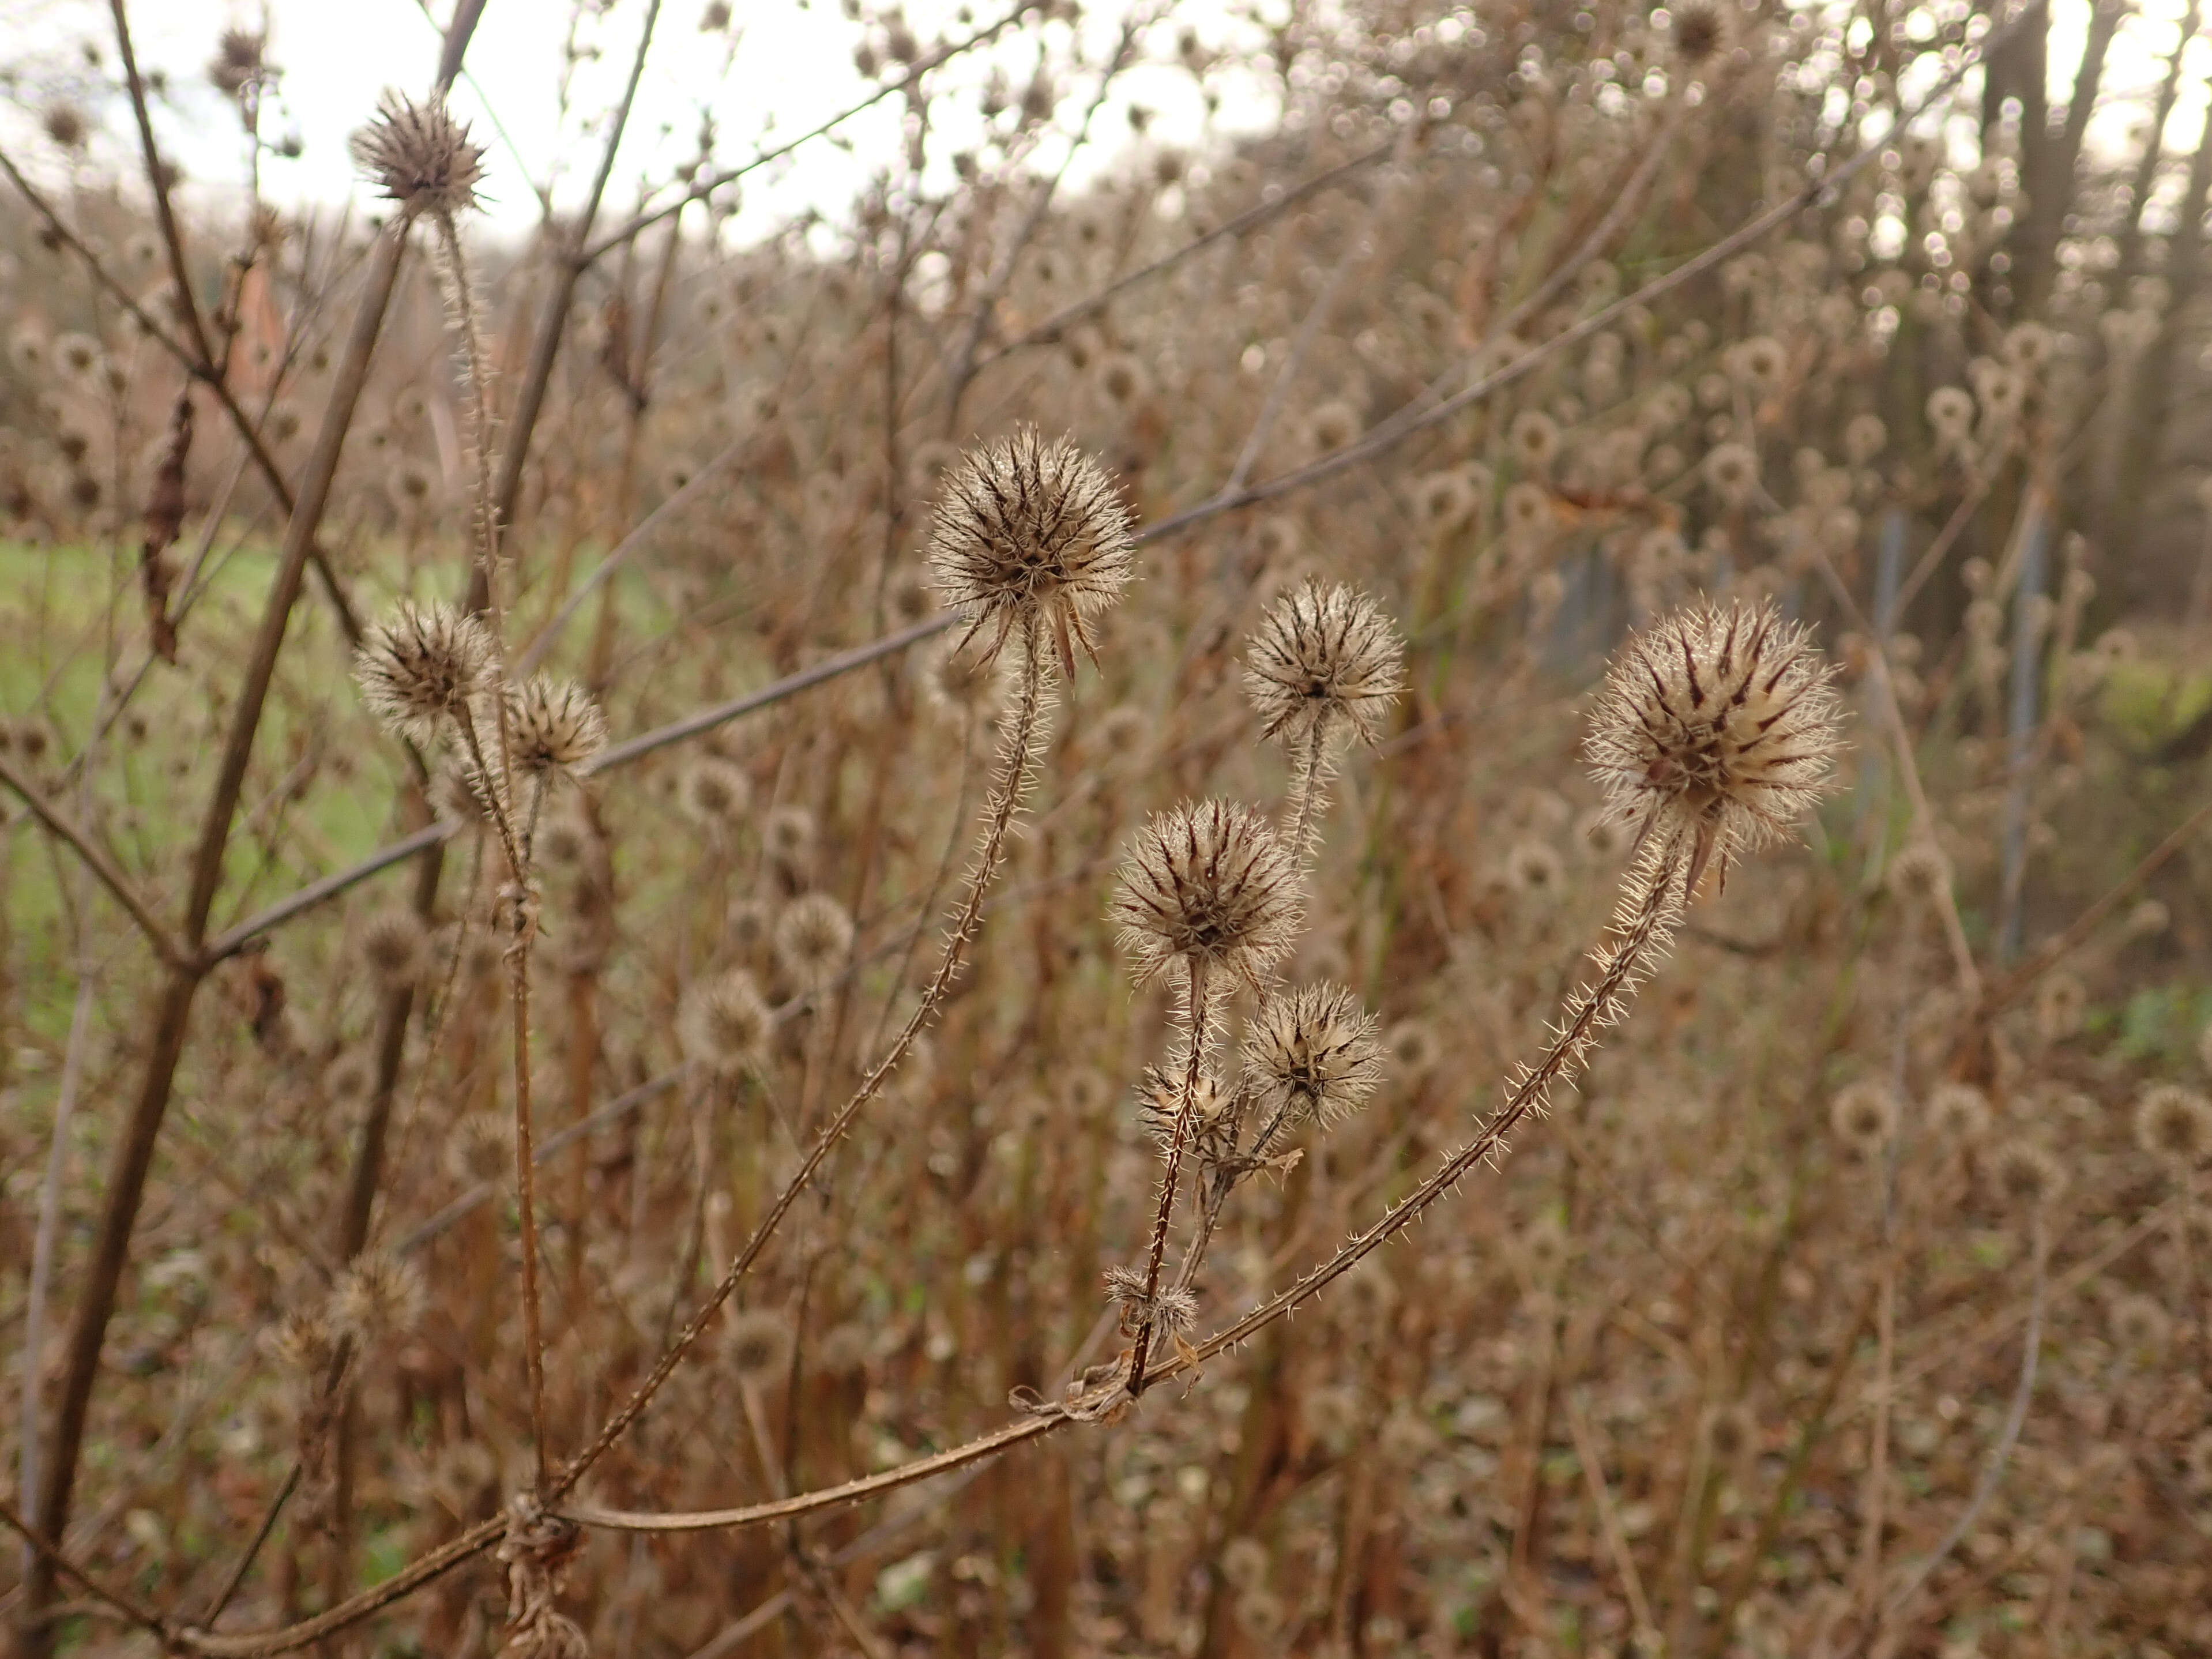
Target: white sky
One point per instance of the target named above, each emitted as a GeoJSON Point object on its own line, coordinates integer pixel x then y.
{"type": "Point", "coordinates": [792, 68]}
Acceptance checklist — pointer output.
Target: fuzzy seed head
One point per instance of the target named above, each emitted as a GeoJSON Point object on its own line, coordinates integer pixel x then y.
{"type": "Point", "coordinates": [757, 1347]}
{"type": "Point", "coordinates": [1325, 663]}
{"type": "Point", "coordinates": [814, 936]}
{"type": "Point", "coordinates": [713, 794]}
{"type": "Point", "coordinates": [2025, 1175]}
{"type": "Point", "coordinates": [419, 669]}
{"type": "Point", "coordinates": [1959, 1111]}
{"type": "Point", "coordinates": [1030, 533]}
{"type": "Point", "coordinates": [2174, 1123]}
{"type": "Point", "coordinates": [1207, 886]}
{"type": "Point", "coordinates": [378, 1298]}
{"type": "Point", "coordinates": [1864, 1116]}
{"type": "Point", "coordinates": [787, 834]}
{"type": "Point", "coordinates": [299, 1343]}
{"type": "Point", "coordinates": [1312, 1055]}
{"type": "Point", "coordinates": [1715, 733]}
{"type": "Point", "coordinates": [724, 1022]}
{"type": "Point", "coordinates": [395, 947]}
{"type": "Point", "coordinates": [553, 725]}
{"type": "Point", "coordinates": [418, 155]}
{"type": "Point", "coordinates": [1702, 30]}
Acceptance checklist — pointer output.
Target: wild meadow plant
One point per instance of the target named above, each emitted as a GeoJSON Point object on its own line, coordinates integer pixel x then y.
{"type": "Point", "coordinates": [871, 855]}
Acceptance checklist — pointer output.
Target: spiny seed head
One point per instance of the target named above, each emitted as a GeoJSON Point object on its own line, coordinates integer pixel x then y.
{"type": "Point", "coordinates": [758, 1347]}
{"type": "Point", "coordinates": [419, 156]}
{"type": "Point", "coordinates": [1030, 533]}
{"type": "Point", "coordinates": [1959, 1111]}
{"type": "Point", "coordinates": [1702, 30]}
{"type": "Point", "coordinates": [2025, 1175]}
{"type": "Point", "coordinates": [1325, 661]}
{"type": "Point", "coordinates": [553, 725]}
{"type": "Point", "coordinates": [724, 1022]}
{"type": "Point", "coordinates": [2174, 1123]}
{"type": "Point", "coordinates": [299, 1343]}
{"type": "Point", "coordinates": [481, 1147]}
{"type": "Point", "coordinates": [714, 793]}
{"type": "Point", "coordinates": [1312, 1055]}
{"type": "Point", "coordinates": [787, 833]}
{"type": "Point", "coordinates": [1167, 1310]}
{"type": "Point", "coordinates": [1864, 1116]}
{"type": "Point", "coordinates": [1536, 868]}
{"type": "Point", "coordinates": [1207, 886]}
{"type": "Point", "coordinates": [380, 1295]}
{"type": "Point", "coordinates": [395, 946]}
{"type": "Point", "coordinates": [1715, 733]}
{"type": "Point", "coordinates": [2137, 1325]}
{"type": "Point", "coordinates": [419, 669]}
{"type": "Point", "coordinates": [813, 936]}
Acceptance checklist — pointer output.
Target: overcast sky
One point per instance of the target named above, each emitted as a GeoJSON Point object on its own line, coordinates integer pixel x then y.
{"type": "Point", "coordinates": [792, 67]}
{"type": "Point", "coordinates": [785, 66]}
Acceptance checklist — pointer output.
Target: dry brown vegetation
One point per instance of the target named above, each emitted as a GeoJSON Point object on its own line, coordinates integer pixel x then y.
{"type": "Point", "coordinates": [715, 1184]}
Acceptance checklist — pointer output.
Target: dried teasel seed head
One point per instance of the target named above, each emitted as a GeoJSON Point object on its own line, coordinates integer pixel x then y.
{"type": "Point", "coordinates": [1715, 733]}
{"type": "Point", "coordinates": [553, 725]}
{"type": "Point", "coordinates": [1864, 1116]}
{"type": "Point", "coordinates": [1704, 30]}
{"type": "Point", "coordinates": [1030, 533]}
{"type": "Point", "coordinates": [380, 1296]}
{"type": "Point", "coordinates": [1536, 868]}
{"type": "Point", "coordinates": [299, 1343]}
{"type": "Point", "coordinates": [418, 155]}
{"type": "Point", "coordinates": [1167, 1310]}
{"type": "Point", "coordinates": [814, 936]}
{"type": "Point", "coordinates": [2061, 1003]}
{"type": "Point", "coordinates": [724, 1022]}
{"type": "Point", "coordinates": [2025, 1175]}
{"type": "Point", "coordinates": [714, 793]}
{"type": "Point", "coordinates": [395, 946]}
{"type": "Point", "coordinates": [787, 835]}
{"type": "Point", "coordinates": [1311, 1055]}
{"type": "Point", "coordinates": [481, 1148]}
{"type": "Point", "coordinates": [419, 669]}
{"type": "Point", "coordinates": [757, 1347]}
{"type": "Point", "coordinates": [1207, 886]}
{"type": "Point", "coordinates": [2174, 1123]}
{"type": "Point", "coordinates": [1324, 662]}
{"type": "Point", "coordinates": [2137, 1326]}
{"type": "Point", "coordinates": [1959, 1111]}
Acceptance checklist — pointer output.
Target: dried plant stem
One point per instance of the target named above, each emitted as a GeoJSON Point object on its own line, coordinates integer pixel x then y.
{"type": "Point", "coordinates": [1877, 1475]}
{"type": "Point", "coordinates": [1616, 1541]}
{"type": "Point", "coordinates": [55, 1561]}
{"type": "Point", "coordinates": [96, 859]}
{"type": "Point", "coordinates": [1016, 761]}
{"type": "Point", "coordinates": [1199, 1014]}
{"type": "Point", "coordinates": [134, 1150]}
{"type": "Point", "coordinates": [2000, 1454]}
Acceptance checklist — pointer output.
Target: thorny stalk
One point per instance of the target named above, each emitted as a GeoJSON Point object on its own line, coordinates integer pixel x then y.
{"type": "Point", "coordinates": [1199, 1019]}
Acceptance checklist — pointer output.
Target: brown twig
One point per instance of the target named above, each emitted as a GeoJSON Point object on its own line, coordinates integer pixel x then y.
{"type": "Point", "coordinates": [97, 860]}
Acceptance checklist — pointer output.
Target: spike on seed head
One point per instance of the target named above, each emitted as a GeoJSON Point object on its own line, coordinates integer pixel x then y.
{"type": "Point", "coordinates": [1207, 886]}
{"type": "Point", "coordinates": [419, 156]}
{"type": "Point", "coordinates": [1030, 533]}
{"type": "Point", "coordinates": [1325, 661]}
{"type": "Point", "coordinates": [1715, 733]}
{"type": "Point", "coordinates": [420, 668]}
{"type": "Point", "coordinates": [1312, 1054]}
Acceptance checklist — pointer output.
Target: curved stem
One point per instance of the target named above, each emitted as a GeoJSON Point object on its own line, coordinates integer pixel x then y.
{"type": "Point", "coordinates": [1016, 757]}
{"type": "Point", "coordinates": [1186, 1103]}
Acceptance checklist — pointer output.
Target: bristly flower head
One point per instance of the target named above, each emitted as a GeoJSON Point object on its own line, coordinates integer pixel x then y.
{"type": "Point", "coordinates": [421, 668]}
{"type": "Point", "coordinates": [553, 725]}
{"type": "Point", "coordinates": [814, 936]}
{"type": "Point", "coordinates": [1715, 733]}
{"type": "Point", "coordinates": [1207, 886]}
{"type": "Point", "coordinates": [2174, 1123]}
{"type": "Point", "coordinates": [419, 156]}
{"type": "Point", "coordinates": [724, 1023]}
{"type": "Point", "coordinates": [1325, 661]}
{"type": "Point", "coordinates": [1312, 1055]}
{"type": "Point", "coordinates": [1030, 533]}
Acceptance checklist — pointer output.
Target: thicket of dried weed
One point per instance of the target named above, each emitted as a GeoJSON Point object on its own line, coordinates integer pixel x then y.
{"type": "Point", "coordinates": [700, 944]}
